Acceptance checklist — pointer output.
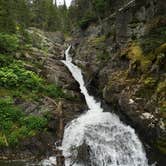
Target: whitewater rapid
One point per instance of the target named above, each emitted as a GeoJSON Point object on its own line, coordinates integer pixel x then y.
{"type": "Point", "coordinates": [109, 141]}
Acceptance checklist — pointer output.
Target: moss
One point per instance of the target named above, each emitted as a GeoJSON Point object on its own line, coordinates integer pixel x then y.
{"type": "Point", "coordinates": [103, 57]}
{"type": "Point", "coordinates": [148, 87]}
{"type": "Point", "coordinates": [145, 92]}
{"type": "Point", "coordinates": [162, 109]}
{"type": "Point", "coordinates": [155, 37]}
{"type": "Point", "coordinates": [150, 82]}
{"type": "Point", "coordinates": [119, 79]}
{"type": "Point", "coordinates": [98, 40]}
{"type": "Point", "coordinates": [161, 87]}
{"type": "Point", "coordinates": [135, 54]}
{"type": "Point", "coordinates": [161, 145]}
{"type": "Point", "coordinates": [161, 49]}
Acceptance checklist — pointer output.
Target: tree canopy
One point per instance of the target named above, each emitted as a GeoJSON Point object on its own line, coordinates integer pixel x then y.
{"type": "Point", "coordinates": [43, 14]}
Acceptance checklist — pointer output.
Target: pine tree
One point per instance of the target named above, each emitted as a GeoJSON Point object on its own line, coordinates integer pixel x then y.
{"type": "Point", "coordinates": [23, 13]}
{"type": "Point", "coordinates": [7, 17]}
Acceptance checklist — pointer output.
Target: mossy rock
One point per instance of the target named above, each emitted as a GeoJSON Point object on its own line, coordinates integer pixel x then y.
{"type": "Point", "coordinates": [161, 145]}
{"type": "Point", "coordinates": [150, 82]}
{"type": "Point", "coordinates": [145, 92]}
{"type": "Point", "coordinates": [97, 41]}
{"type": "Point", "coordinates": [135, 54]}
{"type": "Point", "coordinates": [161, 88]}
{"type": "Point", "coordinates": [161, 49]}
{"type": "Point", "coordinates": [162, 109]}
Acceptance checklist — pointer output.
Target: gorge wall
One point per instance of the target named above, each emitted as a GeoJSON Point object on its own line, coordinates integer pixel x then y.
{"type": "Point", "coordinates": [123, 58]}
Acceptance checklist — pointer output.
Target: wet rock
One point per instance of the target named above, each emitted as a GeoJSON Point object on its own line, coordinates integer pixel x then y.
{"type": "Point", "coordinates": [82, 155]}
{"type": "Point", "coordinates": [123, 81]}
{"type": "Point", "coordinates": [56, 37]}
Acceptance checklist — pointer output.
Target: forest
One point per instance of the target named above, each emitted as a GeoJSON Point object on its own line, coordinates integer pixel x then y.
{"type": "Point", "coordinates": [119, 47]}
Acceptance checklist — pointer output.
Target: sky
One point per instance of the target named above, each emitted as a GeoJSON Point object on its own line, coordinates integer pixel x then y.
{"type": "Point", "coordinates": [59, 2]}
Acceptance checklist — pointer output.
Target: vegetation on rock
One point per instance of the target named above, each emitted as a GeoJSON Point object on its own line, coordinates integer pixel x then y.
{"type": "Point", "coordinates": [15, 125]}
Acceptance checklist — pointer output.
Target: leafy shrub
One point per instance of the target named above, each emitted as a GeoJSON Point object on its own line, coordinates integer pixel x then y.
{"type": "Point", "coordinates": [8, 112]}
{"type": "Point", "coordinates": [15, 75]}
{"type": "Point", "coordinates": [5, 60]}
{"type": "Point", "coordinates": [8, 43]}
{"type": "Point", "coordinates": [53, 91]}
{"type": "Point", "coordinates": [2, 141]}
{"type": "Point", "coordinates": [13, 138]}
{"type": "Point", "coordinates": [15, 125]}
{"type": "Point", "coordinates": [34, 122]}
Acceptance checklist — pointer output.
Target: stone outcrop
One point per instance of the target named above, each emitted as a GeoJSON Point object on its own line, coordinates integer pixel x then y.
{"type": "Point", "coordinates": [44, 58]}
{"type": "Point", "coordinates": [123, 62]}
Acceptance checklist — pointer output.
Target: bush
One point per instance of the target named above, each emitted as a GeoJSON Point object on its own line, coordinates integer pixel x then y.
{"type": "Point", "coordinates": [13, 138]}
{"type": "Point", "coordinates": [34, 122]}
{"type": "Point", "coordinates": [2, 141]}
{"type": "Point", "coordinates": [15, 125]}
{"type": "Point", "coordinates": [8, 113]}
{"type": "Point", "coordinates": [53, 91]}
{"type": "Point", "coordinates": [8, 43]}
{"type": "Point", "coordinates": [5, 60]}
{"type": "Point", "coordinates": [15, 75]}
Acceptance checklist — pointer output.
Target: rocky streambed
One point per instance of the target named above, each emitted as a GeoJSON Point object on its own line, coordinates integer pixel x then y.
{"type": "Point", "coordinates": [119, 68]}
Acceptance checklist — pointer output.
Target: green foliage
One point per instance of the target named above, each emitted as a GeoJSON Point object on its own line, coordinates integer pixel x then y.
{"type": "Point", "coordinates": [161, 145]}
{"type": "Point", "coordinates": [100, 5]}
{"type": "Point", "coordinates": [86, 20]}
{"type": "Point", "coordinates": [155, 38]}
{"type": "Point", "coordinates": [8, 43]}
{"type": "Point", "coordinates": [98, 9]}
{"type": "Point", "coordinates": [15, 75]}
{"type": "Point", "coordinates": [7, 17]}
{"type": "Point", "coordinates": [5, 60]}
{"type": "Point", "coordinates": [53, 91]}
{"type": "Point", "coordinates": [2, 141]}
{"type": "Point", "coordinates": [98, 40]}
{"type": "Point", "coordinates": [150, 82]}
{"type": "Point", "coordinates": [161, 87]}
{"type": "Point", "coordinates": [15, 125]}
{"type": "Point", "coordinates": [34, 123]}
{"type": "Point", "coordinates": [16, 15]}
{"type": "Point", "coordinates": [8, 113]}
{"type": "Point", "coordinates": [103, 57]}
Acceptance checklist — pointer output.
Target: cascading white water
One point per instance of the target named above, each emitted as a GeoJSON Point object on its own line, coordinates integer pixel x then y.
{"type": "Point", "coordinates": [110, 142]}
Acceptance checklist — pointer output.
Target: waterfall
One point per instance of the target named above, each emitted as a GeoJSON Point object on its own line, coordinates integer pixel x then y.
{"type": "Point", "coordinates": [109, 141]}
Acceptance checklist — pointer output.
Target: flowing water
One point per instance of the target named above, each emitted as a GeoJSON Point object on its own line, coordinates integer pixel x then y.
{"type": "Point", "coordinates": [109, 141]}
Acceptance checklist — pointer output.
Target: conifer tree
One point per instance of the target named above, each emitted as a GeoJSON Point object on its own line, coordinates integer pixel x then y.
{"type": "Point", "coordinates": [7, 17]}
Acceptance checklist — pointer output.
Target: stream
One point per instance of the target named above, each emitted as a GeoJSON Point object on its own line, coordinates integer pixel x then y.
{"type": "Point", "coordinates": [100, 136]}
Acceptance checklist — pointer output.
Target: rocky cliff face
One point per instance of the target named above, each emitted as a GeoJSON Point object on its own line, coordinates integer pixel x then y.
{"type": "Point", "coordinates": [43, 58]}
{"type": "Point", "coordinates": [123, 60]}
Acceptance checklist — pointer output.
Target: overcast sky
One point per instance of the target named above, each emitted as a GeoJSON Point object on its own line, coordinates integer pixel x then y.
{"type": "Point", "coordinates": [60, 2]}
